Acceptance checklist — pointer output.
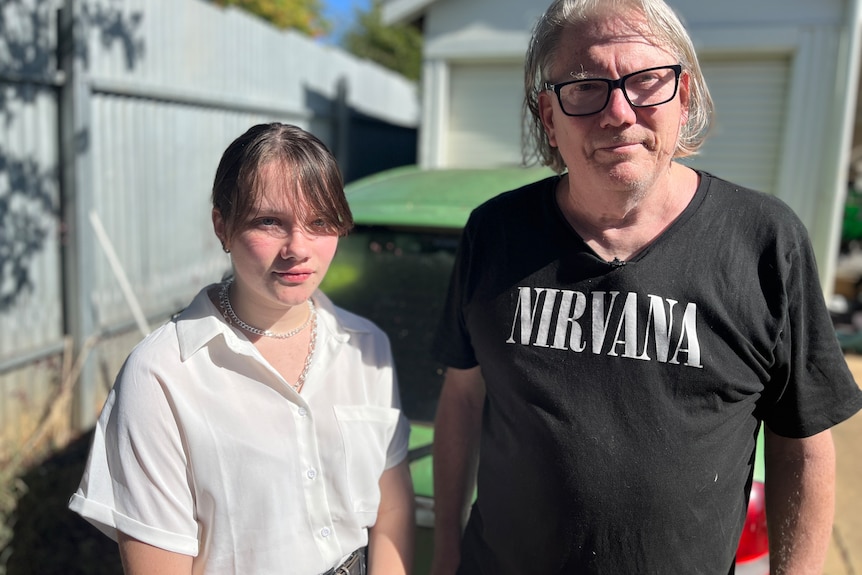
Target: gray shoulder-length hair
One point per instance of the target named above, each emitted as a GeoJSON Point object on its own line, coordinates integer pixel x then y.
{"type": "Point", "coordinates": [665, 27]}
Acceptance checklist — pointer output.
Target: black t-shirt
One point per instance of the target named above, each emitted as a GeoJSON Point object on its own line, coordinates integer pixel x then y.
{"type": "Point", "coordinates": [624, 401]}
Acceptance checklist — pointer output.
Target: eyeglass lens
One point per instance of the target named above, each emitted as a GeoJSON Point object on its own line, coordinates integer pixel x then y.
{"type": "Point", "coordinates": [647, 88]}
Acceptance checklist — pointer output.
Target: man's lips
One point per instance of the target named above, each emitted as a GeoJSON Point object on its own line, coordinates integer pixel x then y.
{"type": "Point", "coordinates": [618, 146]}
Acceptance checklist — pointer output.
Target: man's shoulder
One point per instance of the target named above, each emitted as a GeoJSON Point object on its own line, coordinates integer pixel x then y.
{"type": "Point", "coordinates": [743, 209]}
{"type": "Point", "coordinates": [731, 192]}
{"type": "Point", "coordinates": [517, 200]}
{"type": "Point", "coordinates": [746, 201]}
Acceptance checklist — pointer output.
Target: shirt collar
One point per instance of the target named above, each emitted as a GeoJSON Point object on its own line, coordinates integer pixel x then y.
{"type": "Point", "coordinates": [201, 322]}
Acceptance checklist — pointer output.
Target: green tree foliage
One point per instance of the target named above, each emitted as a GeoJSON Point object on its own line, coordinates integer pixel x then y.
{"type": "Point", "coordinates": [303, 15]}
{"type": "Point", "coordinates": [397, 47]}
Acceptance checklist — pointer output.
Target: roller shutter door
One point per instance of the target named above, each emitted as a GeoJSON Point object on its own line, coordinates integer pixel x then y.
{"type": "Point", "coordinates": [484, 115]}
{"type": "Point", "coordinates": [745, 143]}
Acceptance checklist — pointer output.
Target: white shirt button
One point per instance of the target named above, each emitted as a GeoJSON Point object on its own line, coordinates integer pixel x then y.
{"type": "Point", "coordinates": [325, 532]}
{"type": "Point", "coordinates": [302, 412]}
{"type": "Point", "coordinates": [311, 473]}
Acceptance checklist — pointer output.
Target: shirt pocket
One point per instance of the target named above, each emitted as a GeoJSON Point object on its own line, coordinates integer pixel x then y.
{"type": "Point", "coordinates": [366, 431]}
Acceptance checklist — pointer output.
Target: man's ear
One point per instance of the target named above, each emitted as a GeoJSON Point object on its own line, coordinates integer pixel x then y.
{"type": "Point", "coordinates": [684, 95]}
{"type": "Point", "coordinates": [546, 113]}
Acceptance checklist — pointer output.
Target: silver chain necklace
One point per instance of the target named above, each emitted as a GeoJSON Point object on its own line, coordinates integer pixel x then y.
{"type": "Point", "coordinates": [231, 317]}
{"type": "Point", "coordinates": [311, 344]}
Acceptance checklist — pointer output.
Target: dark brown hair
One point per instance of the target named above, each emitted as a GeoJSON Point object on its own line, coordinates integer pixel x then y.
{"type": "Point", "coordinates": [304, 166]}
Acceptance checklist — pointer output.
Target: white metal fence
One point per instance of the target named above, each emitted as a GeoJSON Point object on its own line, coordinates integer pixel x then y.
{"type": "Point", "coordinates": [113, 115]}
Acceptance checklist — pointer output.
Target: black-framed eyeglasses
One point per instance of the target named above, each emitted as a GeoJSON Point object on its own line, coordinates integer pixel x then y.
{"type": "Point", "coordinates": [642, 89]}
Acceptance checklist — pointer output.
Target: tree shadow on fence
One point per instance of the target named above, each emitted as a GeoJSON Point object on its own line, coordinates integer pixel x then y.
{"type": "Point", "coordinates": [30, 209]}
{"type": "Point", "coordinates": [41, 535]}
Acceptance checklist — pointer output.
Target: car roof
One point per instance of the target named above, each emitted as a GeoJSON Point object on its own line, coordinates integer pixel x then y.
{"type": "Point", "coordinates": [439, 198]}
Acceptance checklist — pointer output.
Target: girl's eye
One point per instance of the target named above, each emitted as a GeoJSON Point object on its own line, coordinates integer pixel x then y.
{"type": "Point", "coordinates": [269, 226]}
{"type": "Point", "coordinates": [317, 226]}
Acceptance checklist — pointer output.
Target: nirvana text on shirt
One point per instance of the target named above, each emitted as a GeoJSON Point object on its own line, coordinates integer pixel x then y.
{"type": "Point", "coordinates": [650, 327]}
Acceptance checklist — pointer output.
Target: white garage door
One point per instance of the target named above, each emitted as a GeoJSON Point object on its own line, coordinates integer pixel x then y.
{"type": "Point", "coordinates": [745, 143]}
{"type": "Point", "coordinates": [484, 115]}
{"type": "Point", "coordinates": [744, 146]}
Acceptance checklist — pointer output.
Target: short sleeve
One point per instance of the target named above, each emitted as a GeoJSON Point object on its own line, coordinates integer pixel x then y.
{"type": "Point", "coordinates": [136, 479]}
{"type": "Point", "coordinates": [812, 389]}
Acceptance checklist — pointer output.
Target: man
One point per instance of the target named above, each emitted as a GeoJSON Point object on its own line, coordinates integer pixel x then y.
{"type": "Point", "coordinates": [616, 335]}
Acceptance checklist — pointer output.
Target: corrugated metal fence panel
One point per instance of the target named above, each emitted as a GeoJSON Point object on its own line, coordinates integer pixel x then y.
{"type": "Point", "coordinates": [30, 262]}
{"type": "Point", "coordinates": [31, 313]}
{"type": "Point", "coordinates": [169, 83]}
{"type": "Point", "coordinates": [184, 81]}
{"type": "Point", "coordinates": [31, 296]}
{"type": "Point", "coordinates": [197, 49]}
{"type": "Point", "coordinates": [152, 195]}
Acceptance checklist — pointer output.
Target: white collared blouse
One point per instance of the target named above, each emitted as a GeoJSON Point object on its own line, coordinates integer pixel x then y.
{"type": "Point", "coordinates": [202, 448]}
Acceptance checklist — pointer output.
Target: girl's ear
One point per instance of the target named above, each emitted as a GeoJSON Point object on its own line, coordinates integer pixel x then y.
{"type": "Point", "coordinates": [219, 229]}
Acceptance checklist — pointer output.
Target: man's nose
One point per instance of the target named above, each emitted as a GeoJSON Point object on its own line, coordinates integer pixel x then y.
{"type": "Point", "coordinates": [618, 111]}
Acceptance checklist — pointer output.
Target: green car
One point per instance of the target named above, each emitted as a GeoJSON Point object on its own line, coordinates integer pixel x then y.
{"type": "Point", "coordinates": [394, 269]}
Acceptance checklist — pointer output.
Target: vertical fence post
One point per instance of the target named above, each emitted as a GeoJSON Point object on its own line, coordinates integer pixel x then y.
{"type": "Point", "coordinates": [79, 247]}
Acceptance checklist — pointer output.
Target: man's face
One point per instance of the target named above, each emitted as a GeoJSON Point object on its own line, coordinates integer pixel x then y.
{"type": "Point", "coordinates": [620, 148]}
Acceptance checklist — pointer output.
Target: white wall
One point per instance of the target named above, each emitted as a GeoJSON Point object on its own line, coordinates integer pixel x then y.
{"type": "Point", "coordinates": [816, 44]}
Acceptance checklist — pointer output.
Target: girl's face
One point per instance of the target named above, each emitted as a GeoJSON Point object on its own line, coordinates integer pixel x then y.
{"type": "Point", "coordinates": [279, 257]}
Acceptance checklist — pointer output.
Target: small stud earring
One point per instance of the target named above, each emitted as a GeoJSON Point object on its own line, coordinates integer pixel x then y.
{"type": "Point", "coordinates": [224, 248]}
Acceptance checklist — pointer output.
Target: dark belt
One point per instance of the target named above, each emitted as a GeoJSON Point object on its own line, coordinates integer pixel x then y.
{"type": "Point", "coordinates": [353, 565]}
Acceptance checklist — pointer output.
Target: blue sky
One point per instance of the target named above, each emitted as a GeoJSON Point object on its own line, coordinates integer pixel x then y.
{"type": "Point", "coordinates": [340, 13]}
